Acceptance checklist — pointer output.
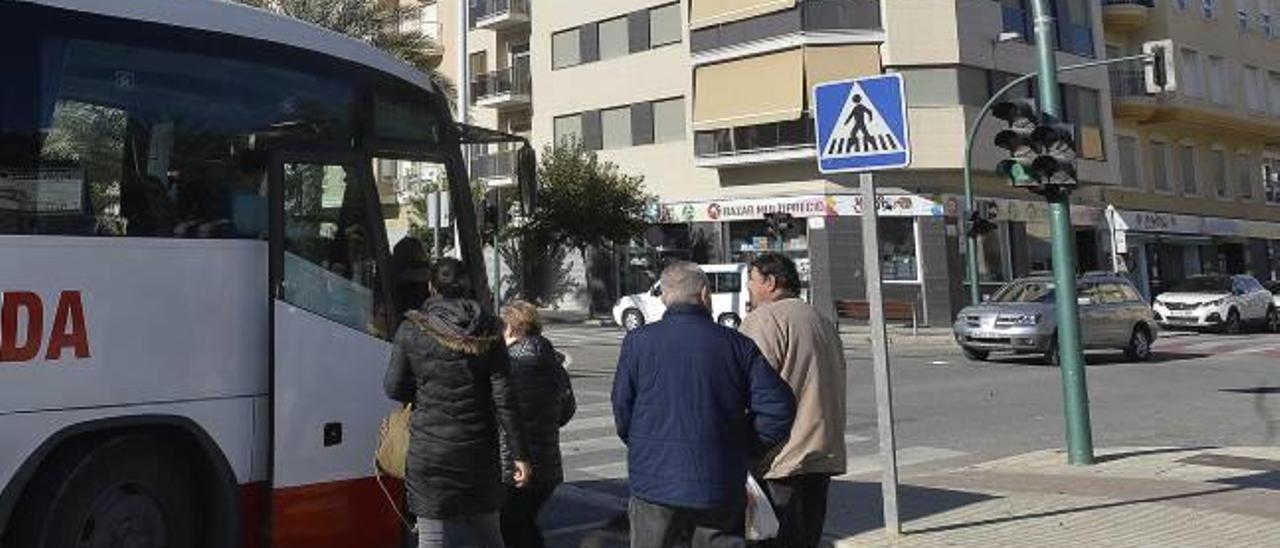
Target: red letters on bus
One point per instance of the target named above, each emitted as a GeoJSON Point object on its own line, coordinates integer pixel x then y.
{"type": "Point", "coordinates": [26, 308]}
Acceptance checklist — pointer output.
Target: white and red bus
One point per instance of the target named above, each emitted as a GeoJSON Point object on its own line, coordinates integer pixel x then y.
{"type": "Point", "coordinates": [195, 297]}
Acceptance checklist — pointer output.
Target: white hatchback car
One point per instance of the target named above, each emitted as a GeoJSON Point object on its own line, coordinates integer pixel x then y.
{"type": "Point", "coordinates": [728, 299]}
{"type": "Point", "coordinates": [1225, 302]}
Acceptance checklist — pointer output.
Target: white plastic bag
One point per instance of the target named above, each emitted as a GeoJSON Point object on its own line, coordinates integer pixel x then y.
{"type": "Point", "coordinates": [762, 522]}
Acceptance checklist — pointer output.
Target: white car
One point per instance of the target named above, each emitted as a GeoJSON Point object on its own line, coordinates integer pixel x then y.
{"type": "Point", "coordinates": [1224, 302]}
{"type": "Point", "coordinates": [728, 299]}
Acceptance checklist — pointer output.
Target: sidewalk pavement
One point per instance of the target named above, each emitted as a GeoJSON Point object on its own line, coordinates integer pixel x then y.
{"type": "Point", "coordinates": [1133, 497]}
{"type": "Point", "coordinates": [1148, 496]}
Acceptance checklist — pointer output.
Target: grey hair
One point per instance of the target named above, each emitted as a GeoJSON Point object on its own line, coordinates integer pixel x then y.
{"type": "Point", "coordinates": [683, 283]}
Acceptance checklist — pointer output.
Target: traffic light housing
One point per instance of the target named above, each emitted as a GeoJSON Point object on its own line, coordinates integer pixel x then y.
{"type": "Point", "coordinates": [1160, 72]}
{"type": "Point", "coordinates": [1042, 150]}
{"type": "Point", "coordinates": [1022, 118]}
{"type": "Point", "coordinates": [978, 224]}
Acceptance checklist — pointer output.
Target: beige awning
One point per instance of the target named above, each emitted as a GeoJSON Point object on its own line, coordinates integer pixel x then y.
{"type": "Point", "coordinates": [704, 13]}
{"type": "Point", "coordinates": [755, 90]}
{"type": "Point", "coordinates": [774, 87]}
{"type": "Point", "coordinates": [831, 63]}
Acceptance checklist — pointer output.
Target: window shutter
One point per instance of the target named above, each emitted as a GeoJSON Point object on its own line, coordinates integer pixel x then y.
{"type": "Point", "coordinates": [592, 133]}
{"type": "Point", "coordinates": [642, 124]}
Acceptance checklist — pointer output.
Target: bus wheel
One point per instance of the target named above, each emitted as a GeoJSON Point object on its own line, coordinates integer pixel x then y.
{"type": "Point", "coordinates": [127, 491]}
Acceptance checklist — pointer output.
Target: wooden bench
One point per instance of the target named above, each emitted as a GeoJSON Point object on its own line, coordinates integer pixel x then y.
{"type": "Point", "coordinates": [901, 311]}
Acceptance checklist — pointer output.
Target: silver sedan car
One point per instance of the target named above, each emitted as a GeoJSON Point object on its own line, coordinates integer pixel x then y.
{"type": "Point", "coordinates": [1020, 318]}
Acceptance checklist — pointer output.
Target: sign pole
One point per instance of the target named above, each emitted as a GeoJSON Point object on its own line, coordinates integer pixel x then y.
{"type": "Point", "coordinates": [880, 356]}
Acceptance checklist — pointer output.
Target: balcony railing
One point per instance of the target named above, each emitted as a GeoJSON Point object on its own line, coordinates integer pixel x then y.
{"type": "Point", "coordinates": [758, 139]}
{"type": "Point", "coordinates": [1127, 82]}
{"type": "Point", "coordinates": [515, 80]}
{"type": "Point", "coordinates": [1142, 3]}
{"type": "Point", "coordinates": [808, 15]}
{"type": "Point", "coordinates": [493, 165]}
{"type": "Point", "coordinates": [492, 9]}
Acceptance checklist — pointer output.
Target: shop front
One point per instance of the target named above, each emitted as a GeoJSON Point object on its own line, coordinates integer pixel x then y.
{"type": "Point", "coordinates": [1162, 249]}
{"type": "Point", "coordinates": [823, 241]}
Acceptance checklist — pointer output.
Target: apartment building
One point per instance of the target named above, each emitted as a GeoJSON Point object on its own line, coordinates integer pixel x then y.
{"type": "Point", "coordinates": [709, 100]}
{"type": "Point", "coordinates": [1200, 168]}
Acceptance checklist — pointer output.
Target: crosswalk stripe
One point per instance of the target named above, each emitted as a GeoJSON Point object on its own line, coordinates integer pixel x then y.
{"type": "Point", "coordinates": [613, 470]}
{"type": "Point", "coordinates": [580, 448]}
{"type": "Point", "coordinates": [589, 423]}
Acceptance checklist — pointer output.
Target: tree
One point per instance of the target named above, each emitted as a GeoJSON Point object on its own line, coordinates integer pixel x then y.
{"type": "Point", "coordinates": [584, 203]}
{"type": "Point", "coordinates": [376, 22]}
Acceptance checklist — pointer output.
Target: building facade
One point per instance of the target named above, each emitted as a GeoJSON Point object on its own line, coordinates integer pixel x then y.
{"type": "Point", "coordinates": [710, 101]}
{"type": "Point", "coordinates": [1200, 167]}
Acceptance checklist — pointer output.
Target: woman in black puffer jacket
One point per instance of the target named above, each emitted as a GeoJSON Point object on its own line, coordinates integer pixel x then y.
{"type": "Point", "coordinates": [450, 362]}
{"type": "Point", "coordinates": [546, 404]}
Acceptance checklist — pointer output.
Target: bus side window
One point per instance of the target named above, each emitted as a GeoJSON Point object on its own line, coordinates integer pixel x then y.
{"type": "Point", "coordinates": [331, 268]}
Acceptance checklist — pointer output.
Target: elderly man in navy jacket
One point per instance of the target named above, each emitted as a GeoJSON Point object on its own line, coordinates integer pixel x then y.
{"type": "Point", "coordinates": [693, 402]}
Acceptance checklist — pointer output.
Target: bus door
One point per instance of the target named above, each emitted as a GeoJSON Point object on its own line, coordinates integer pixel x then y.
{"type": "Point", "coordinates": [329, 352]}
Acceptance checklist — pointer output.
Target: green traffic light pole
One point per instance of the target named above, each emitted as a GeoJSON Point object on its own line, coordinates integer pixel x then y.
{"type": "Point", "coordinates": [1071, 356]}
{"type": "Point", "coordinates": [1075, 390]}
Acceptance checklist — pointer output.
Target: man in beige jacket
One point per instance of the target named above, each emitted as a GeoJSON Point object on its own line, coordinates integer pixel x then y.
{"type": "Point", "coordinates": [805, 348]}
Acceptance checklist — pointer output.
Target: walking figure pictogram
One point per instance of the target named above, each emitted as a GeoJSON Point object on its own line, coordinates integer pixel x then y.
{"type": "Point", "coordinates": [860, 116]}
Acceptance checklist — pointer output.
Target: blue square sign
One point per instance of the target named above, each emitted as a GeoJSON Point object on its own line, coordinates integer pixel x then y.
{"type": "Point", "coordinates": [861, 124]}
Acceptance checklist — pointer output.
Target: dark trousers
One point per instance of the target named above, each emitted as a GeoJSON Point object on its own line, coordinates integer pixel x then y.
{"type": "Point", "coordinates": [801, 504]}
{"type": "Point", "coordinates": [520, 516]}
{"type": "Point", "coordinates": [658, 526]}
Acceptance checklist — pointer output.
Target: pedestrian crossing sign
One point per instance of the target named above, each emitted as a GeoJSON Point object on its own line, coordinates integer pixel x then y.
{"type": "Point", "coordinates": [861, 124]}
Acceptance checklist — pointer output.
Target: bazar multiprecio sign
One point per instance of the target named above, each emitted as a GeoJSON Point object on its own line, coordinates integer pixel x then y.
{"type": "Point", "coordinates": [800, 206]}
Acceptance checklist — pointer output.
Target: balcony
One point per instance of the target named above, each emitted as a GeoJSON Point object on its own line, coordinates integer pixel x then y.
{"type": "Point", "coordinates": [494, 168]}
{"type": "Point", "coordinates": [828, 18]}
{"type": "Point", "coordinates": [1129, 98]}
{"type": "Point", "coordinates": [1126, 15]}
{"type": "Point", "coordinates": [499, 14]}
{"type": "Point", "coordinates": [760, 144]}
{"type": "Point", "coordinates": [503, 88]}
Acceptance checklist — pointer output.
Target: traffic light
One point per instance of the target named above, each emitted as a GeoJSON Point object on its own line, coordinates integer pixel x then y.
{"type": "Point", "coordinates": [978, 224]}
{"type": "Point", "coordinates": [1042, 150]}
{"type": "Point", "coordinates": [1159, 73]}
{"type": "Point", "coordinates": [1022, 117]}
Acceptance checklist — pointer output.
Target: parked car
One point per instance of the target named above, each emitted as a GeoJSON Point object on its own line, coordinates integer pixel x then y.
{"type": "Point", "coordinates": [1223, 302]}
{"type": "Point", "coordinates": [1274, 288]}
{"type": "Point", "coordinates": [728, 299]}
{"type": "Point", "coordinates": [1020, 318]}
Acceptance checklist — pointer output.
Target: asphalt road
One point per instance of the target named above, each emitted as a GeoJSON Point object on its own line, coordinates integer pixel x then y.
{"type": "Point", "coordinates": [1199, 390]}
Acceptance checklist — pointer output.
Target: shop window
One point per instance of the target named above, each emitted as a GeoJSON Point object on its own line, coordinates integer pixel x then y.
{"type": "Point", "coordinates": [898, 260]}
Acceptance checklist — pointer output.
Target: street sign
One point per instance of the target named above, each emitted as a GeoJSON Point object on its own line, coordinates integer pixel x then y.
{"type": "Point", "coordinates": [861, 124]}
